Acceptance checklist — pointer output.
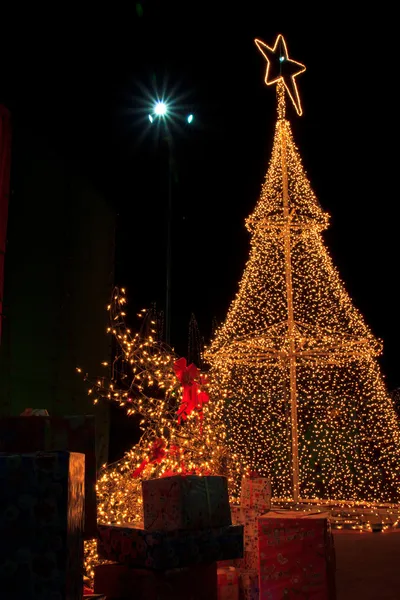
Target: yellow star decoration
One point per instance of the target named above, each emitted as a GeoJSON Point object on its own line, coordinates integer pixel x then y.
{"type": "Point", "coordinates": [282, 68]}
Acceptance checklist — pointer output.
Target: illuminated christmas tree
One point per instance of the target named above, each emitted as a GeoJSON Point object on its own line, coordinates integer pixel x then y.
{"type": "Point", "coordinates": [301, 393]}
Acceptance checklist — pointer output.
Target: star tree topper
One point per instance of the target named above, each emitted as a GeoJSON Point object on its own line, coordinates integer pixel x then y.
{"type": "Point", "coordinates": [281, 68]}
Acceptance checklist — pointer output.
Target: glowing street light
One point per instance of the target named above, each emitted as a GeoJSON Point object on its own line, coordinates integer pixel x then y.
{"type": "Point", "coordinates": [169, 113]}
{"type": "Point", "coordinates": [161, 110]}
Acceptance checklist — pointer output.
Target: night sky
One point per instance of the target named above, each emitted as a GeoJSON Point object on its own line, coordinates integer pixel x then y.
{"type": "Point", "coordinates": [84, 79]}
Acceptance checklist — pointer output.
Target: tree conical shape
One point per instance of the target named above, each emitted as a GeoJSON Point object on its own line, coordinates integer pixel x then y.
{"type": "Point", "coordinates": [294, 363]}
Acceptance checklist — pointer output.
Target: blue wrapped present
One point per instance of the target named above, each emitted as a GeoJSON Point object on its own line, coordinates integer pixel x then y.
{"type": "Point", "coordinates": [41, 525]}
{"type": "Point", "coordinates": [135, 547]}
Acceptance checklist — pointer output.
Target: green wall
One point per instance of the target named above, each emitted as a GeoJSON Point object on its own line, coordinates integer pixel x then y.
{"type": "Point", "coordinates": [59, 276]}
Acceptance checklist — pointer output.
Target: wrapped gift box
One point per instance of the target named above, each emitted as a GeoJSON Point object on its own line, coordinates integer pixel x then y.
{"type": "Point", "coordinates": [194, 583]}
{"type": "Point", "coordinates": [41, 525]}
{"type": "Point", "coordinates": [169, 549]}
{"type": "Point", "coordinates": [249, 586]}
{"type": "Point", "coordinates": [256, 493]}
{"type": "Point", "coordinates": [296, 556]}
{"type": "Point", "coordinates": [249, 562]}
{"type": "Point", "coordinates": [228, 583]}
{"type": "Point", "coordinates": [73, 434]}
{"type": "Point", "coordinates": [248, 517]}
{"type": "Point", "coordinates": [185, 502]}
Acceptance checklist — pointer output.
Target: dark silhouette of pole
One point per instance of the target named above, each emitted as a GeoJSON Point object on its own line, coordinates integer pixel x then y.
{"type": "Point", "coordinates": [169, 246]}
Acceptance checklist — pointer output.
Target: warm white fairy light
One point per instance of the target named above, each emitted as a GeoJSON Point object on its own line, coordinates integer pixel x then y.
{"type": "Point", "coordinates": [143, 380]}
{"type": "Point", "coordinates": [293, 344]}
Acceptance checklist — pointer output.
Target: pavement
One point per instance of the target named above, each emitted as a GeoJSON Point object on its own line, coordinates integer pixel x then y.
{"type": "Point", "coordinates": [367, 565]}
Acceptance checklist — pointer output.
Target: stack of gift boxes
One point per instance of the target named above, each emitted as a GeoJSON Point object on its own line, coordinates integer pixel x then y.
{"type": "Point", "coordinates": [47, 504]}
{"type": "Point", "coordinates": [187, 528]}
{"type": "Point", "coordinates": [286, 553]}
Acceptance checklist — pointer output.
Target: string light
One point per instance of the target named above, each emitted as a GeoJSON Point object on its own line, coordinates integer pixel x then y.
{"type": "Point", "coordinates": [294, 366]}
{"type": "Point", "coordinates": [296, 393]}
{"type": "Point", "coordinates": [144, 382]}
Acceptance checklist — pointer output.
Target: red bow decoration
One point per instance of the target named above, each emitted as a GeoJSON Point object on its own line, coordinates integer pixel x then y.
{"type": "Point", "coordinates": [175, 450]}
{"type": "Point", "coordinates": [177, 453]}
{"type": "Point", "coordinates": [87, 591]}
{"type": "Point", "coordinates": [156, 455]}
{"type": "Point", "coordinates": [192, 396]}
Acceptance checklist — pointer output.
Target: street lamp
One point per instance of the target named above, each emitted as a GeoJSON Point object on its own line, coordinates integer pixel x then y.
{"type": "Point", "coordinates": [160, 110]}
{"type": "Point", "coordinates": [161, 113]}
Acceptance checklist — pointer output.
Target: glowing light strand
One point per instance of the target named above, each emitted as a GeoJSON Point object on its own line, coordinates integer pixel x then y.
{"type": "Point", "coordinates": [348, 439]}
{"type": "Point", "coordinates": [143, 380]}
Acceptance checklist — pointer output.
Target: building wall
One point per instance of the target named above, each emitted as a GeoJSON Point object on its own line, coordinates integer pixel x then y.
{"type": "Point", "coordinates": [59, 276]}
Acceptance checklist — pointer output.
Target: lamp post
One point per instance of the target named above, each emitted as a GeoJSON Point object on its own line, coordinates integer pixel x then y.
{"type": "Point", "coordinates": [160, 113]}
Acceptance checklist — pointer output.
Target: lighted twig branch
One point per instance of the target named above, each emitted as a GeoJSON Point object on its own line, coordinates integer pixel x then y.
{"type": "Point", "coordinates": [180, 432]}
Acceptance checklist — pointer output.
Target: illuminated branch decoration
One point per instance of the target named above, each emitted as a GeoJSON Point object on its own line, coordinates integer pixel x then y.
{"type": "Point", "coordinates": [141, 368]}
{"type": "Point", "coordinates": [294, 366]}
{"type": "Point", "coordinates": [172, 400]}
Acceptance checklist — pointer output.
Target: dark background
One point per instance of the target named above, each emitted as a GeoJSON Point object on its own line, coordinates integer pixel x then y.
{"type": "Point", "coordinates": [84, 77]}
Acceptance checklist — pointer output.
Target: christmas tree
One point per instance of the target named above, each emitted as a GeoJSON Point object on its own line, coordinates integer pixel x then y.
{"type": "Point", "coordinates": [294, 366]}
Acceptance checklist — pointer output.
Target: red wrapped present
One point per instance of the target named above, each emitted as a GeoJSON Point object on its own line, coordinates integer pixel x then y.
{"type": "Point", "coordinates": [256, 493]}
{"type": "Point", "coordinates": [228, 583]}
{"type": "Point", "coordinates": [41, 525]}
{"type": "Point", "coordinates": [248, 585]}
{"type": "Point", "coordinates": [88, 594]}
{"type": "Point", "coordinates": [194, 583]}
{"type": "Point", "coordinates": [169, 549]}
{"type": "Point", "coordinates": [186, 502]}
{"type": "Point", "coordinates": [73, 434]}
{"type": "Point", "coordinates": [249, 562]}
{"type": "Point", "coordinates": [296, 556]}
